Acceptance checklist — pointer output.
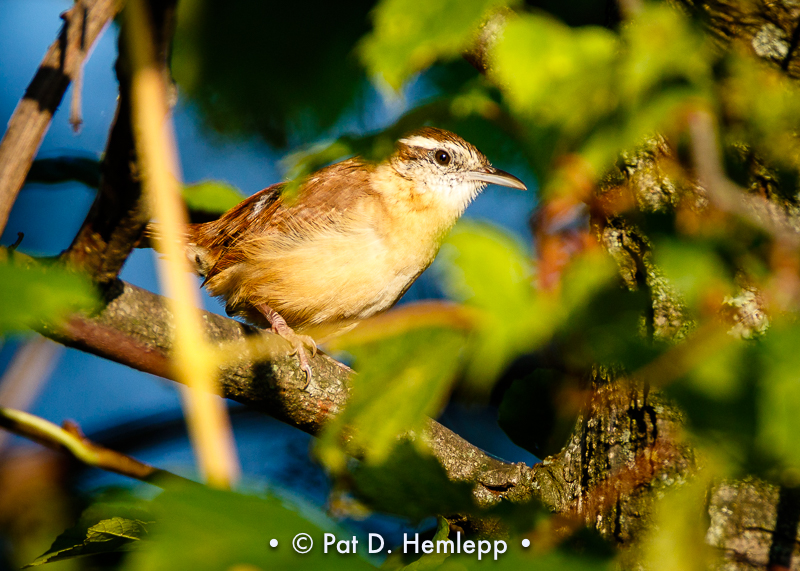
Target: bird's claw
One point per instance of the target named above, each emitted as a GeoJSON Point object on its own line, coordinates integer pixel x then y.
{"type": "Point", "coordinates": [301, 345]}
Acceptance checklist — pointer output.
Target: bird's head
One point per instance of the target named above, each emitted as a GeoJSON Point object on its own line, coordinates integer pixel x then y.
{"type": "Point", "coordinates": [451, 169]}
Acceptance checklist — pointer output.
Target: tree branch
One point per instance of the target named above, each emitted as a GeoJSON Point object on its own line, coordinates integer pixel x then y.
{"type": "Point", "coordinates": [83, 23]}
{"type": "Point", "coordinates": [119, 213]}
{"type": "Point", "coordinates": [135, 329]}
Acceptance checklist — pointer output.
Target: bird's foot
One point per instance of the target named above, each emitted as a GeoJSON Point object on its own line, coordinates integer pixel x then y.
{"type": "Point", "coordinates": [301, 344]}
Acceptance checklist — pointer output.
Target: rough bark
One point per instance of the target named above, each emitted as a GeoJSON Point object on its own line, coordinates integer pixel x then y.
{"type": "Point", "coordinates": [771, 29]}
{"type": "Point", "coordinates": [753, 523]}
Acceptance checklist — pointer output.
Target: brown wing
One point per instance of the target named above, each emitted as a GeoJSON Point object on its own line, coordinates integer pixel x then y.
{"type": "Point", "coordinates": [324, 196]}
{"type": "Point", "coordinates": [220, 234]}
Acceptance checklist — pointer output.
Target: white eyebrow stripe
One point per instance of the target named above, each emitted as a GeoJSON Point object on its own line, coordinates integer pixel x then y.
{"type": "Point", "coordinates": [423, 142]}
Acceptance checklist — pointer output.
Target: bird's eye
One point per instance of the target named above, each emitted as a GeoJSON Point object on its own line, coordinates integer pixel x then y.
{"type": "Point", "coordinates": [442, 157]}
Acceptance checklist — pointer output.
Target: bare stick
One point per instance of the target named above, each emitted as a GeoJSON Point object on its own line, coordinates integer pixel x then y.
{"type": "Point", "coordinates": [723, 193]}
{"type": "Point", "coordinates": [72, 440]}
{"type": "Point", "coordinates": [75, 118]}
{"type": "Point", "coordinates": [34, 112]}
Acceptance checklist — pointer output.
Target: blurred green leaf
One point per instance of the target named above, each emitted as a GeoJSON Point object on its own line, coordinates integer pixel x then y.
{"type": "Point", "coordinates": [678, 538]}
{"type": "Point", "coordinates": [402, 379]}
{"type": "Point", "coordinates": [610, 329]}
{"type": "Point", "coordinates": [412, 484]}
{"type": "Point", "coordinates": [487, 269]}
{"type": "Point", "coordinates": [283, 70]}
{"type": "Point", "coordinates": [590, 91]}
{"type": "Point", "coordinates": [203, 529]}
{"type": "Point", "coordinates": [556, 74]}
{"type": "Point", "coordinates": [211, 196]}
{"type": "Point", "coordinates": [410, 35]}
{"type": "Point", "coordinates": [40, 293]}
{"type": "Point", "coordinates": [662, 48]}
{"type": "Point", "coordinates": [694, 268]}
{"type": "Point", "coordinates": [779, 398]}
{"type": "Point", "coordinates": [720, 397]}
{"type": "Point", "coordinates": [719, 374]}
{"type": "Point", "coordinates": [763, 107]}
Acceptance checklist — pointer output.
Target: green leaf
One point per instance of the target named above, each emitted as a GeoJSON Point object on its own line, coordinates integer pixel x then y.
{"type": "Point", "coordinates": [555, 74]}
{"type": "Point", "coordinates": [105, 527]}
{"type": "Point", "coordinates": [409, 36]}
{"type": "Point", "coordinates": [678, 538]}
{"type": "Point", "coordinates": [590, 91]}
{"type": "Point", "coordinates": [106, 536]}
{"type": "Point", "coordinates": [212, 196]}
{"type": "Point", "coordinates": [411, 483]}
{"type": "Point", "coordinates": [719, 374]}
{"type": "Point", "coordinates": [662, 46]}
{"type": "Point", "coordinates": [200, 529]}
{"type": "Point", "coordinates": [41, 293]}
{"type": "Point", "coordinates": [402, 378]}
{"type": "Point", "coordinates": [762, 112]}
{"type": "Point", "coordinates": [432, 560]}
{"type": "Point", "coordinates": [487, 269]}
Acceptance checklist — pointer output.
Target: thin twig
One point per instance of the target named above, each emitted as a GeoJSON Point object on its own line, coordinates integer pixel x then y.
{"type": "Point", "coordinates": [723, 193]}
{"type": "Point", "coordinates": [70, 439]}
{"type": "Point", "coordinates": [75, 118]}
{"type": "Point", "coordinates": [34, 112]}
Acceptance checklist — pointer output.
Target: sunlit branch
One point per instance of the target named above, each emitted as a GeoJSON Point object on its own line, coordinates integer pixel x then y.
{"type": "Point", "coordinates": [135, 329]}
{"type": "Point", "coordinates": [71, 440]}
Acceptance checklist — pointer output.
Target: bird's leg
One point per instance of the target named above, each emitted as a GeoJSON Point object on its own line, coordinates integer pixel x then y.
{"type": "Point", "coordinates": [298, 342]}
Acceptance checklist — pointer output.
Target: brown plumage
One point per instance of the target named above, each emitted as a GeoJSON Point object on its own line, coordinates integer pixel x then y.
{"type": "Point", "coordinates": [349, 245]}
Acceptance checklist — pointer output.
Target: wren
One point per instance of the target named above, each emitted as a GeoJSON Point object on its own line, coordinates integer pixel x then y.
{"type": "Point", "coordinates": [350, 243]}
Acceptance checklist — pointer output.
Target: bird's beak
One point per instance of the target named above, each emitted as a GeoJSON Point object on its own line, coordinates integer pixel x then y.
{"type": "Point", "coordinates": [496, 176]}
